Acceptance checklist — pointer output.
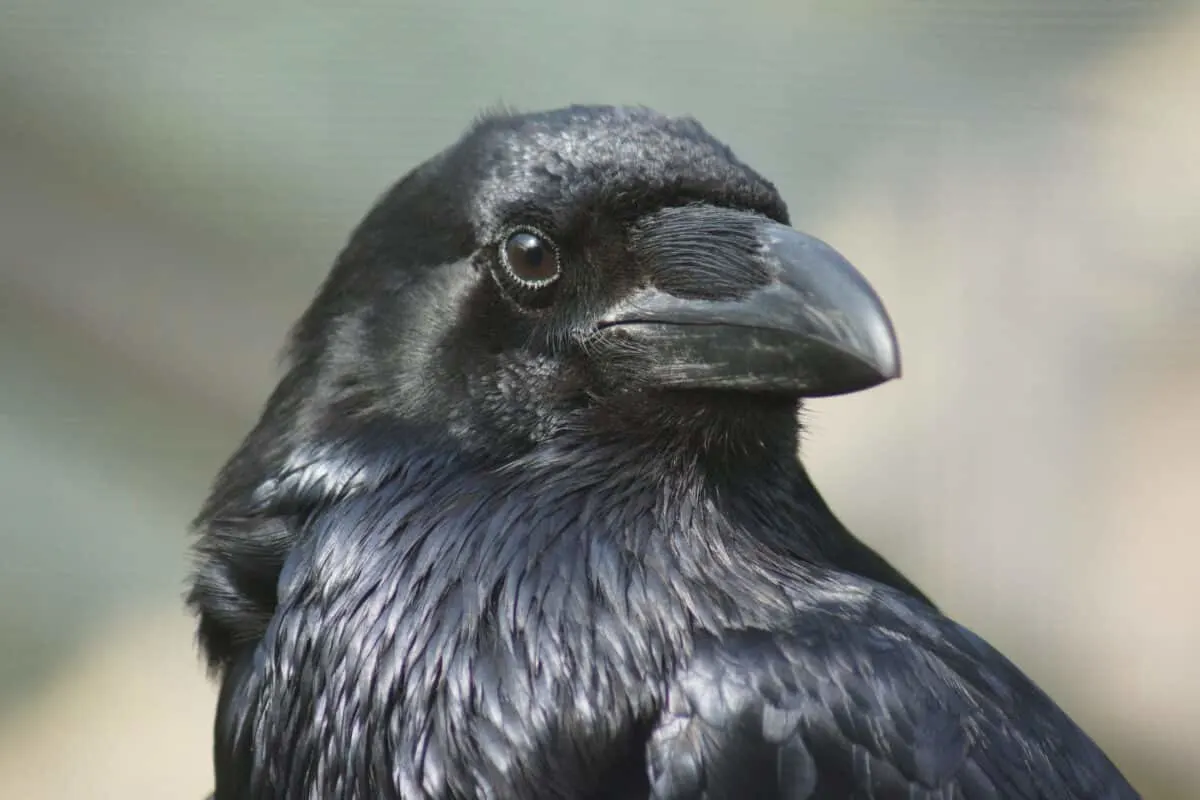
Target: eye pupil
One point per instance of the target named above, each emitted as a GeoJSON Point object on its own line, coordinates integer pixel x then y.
{"type": "Point", "coordinates": [530, 257]}
{"type": "Point", "coordinates": [529, 249]}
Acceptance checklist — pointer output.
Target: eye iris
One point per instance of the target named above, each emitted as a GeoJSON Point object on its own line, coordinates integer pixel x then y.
{"type": "Point", "coordinates": [530, 257]}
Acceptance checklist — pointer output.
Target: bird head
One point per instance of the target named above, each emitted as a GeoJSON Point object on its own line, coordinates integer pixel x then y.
{"type": "Point", "coordinates": [588, 259]}
{"type": "Point", "coordinates": [587, 287]}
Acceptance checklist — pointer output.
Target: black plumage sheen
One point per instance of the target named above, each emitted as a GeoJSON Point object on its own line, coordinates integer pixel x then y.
{"type": "Point", "coordinates": [554, 541]}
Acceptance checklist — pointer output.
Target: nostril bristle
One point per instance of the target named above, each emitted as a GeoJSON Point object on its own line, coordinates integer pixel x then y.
{"type": "Point", "coordinates": [701, 252]}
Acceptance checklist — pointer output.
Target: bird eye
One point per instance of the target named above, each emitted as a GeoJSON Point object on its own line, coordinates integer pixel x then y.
{"type": "Point", "coordinates": [530, 258]}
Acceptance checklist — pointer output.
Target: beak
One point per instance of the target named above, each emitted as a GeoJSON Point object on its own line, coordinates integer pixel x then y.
{"type": "Point", "coordinates": [806, 324]}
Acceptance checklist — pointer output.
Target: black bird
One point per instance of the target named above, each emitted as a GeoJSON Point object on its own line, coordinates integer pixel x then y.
{"type": "Point", "coordinates": [524, 517]}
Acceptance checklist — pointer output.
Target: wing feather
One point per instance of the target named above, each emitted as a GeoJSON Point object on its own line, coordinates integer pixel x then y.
{"type": "Point", "coordinates": [887, 700]}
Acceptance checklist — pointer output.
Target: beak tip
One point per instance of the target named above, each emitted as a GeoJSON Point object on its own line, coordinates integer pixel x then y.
{"type": "Point", "coordinates": [890, 367]}
{"type": "Point", "coordinates": [884, 344]}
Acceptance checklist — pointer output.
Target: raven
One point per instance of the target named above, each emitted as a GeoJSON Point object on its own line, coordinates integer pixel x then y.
{"type": "Point", "coordinates": [524, 516]}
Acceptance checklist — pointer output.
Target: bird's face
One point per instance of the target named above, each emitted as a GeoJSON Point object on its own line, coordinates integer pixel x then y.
{"type": "Point", "coordinates": [587, 258]}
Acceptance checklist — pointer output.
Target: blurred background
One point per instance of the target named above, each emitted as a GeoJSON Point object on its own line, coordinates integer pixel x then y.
{"type": "Point", "coordinates": [1020, 180]}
